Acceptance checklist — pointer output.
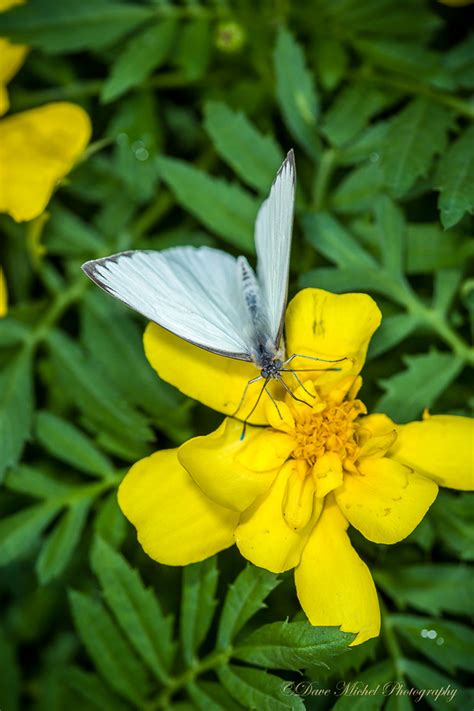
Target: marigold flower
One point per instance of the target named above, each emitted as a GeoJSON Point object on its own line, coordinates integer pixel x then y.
{"type": "Point", "coordinates": [286, 493]}
{"type": "Point", "coordinates": [37, 147]}
{"type": "Point", "coordinates": [3, 295]}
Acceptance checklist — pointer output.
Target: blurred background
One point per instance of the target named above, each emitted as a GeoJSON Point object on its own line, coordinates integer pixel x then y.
{"type": "Point", "coordinates": [192, 106]}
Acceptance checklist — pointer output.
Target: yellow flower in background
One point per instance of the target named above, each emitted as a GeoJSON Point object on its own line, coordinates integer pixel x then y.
{"type": "Point", "coordinates": [37, 147]}
{"type": "Point", "coordinates": [3, 295]}
{"type": "Point", "coordinates": [287, 492]}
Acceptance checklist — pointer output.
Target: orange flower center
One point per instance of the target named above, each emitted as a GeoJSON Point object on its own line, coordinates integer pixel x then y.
{"type": "Point", "coordinates": [332, 429]}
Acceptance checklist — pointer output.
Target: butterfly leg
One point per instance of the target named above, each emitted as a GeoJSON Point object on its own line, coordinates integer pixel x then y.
{"type": "Point", "coordinates": [298, 380]}
{"type": "Point", "coordinates": [291, 394]}
{"type": "Point", "coordinates": [250, 382]}
{"type": "Point", "coordinates": [264, 387]}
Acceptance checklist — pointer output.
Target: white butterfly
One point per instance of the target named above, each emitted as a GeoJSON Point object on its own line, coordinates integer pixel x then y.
{"type": "Point", "coordinates": [212, 299]}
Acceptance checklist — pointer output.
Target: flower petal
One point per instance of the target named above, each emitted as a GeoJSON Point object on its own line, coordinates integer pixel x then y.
{"type": "Point", "coordinates": [3, 295]}
{"type": "Point", "coordinates": [216, 381]}
{"type": "Point", "coordinates": [233, 471]}
{"type": "Point", "coordinates": [441, 447]}
{"type": "Point", "coordinates": [38, 148]}
{"type": "Point", "coordinates": [264, 537]}
{"type": "Point", "coordinates": [176, 523]}
{"type": "Point", "coordinates": [12, 57]}
{"type": "Point", "coordinates": [327, 473]}
{"type": "Point", "coordinates": [330, 326]}
{"type": "Point", "coordinates": [334, 585]}
{"type": "Point", "coordinates": [386, 501]}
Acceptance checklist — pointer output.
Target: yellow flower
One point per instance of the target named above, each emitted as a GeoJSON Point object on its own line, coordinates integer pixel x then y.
{"type": "Point", "coordinates": [286, 493]}
{"type": "Point", "coordinates": [37, 147]}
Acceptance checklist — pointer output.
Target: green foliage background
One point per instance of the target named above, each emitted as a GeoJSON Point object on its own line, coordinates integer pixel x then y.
{"type": "Point", "coordinates": [193, 107]}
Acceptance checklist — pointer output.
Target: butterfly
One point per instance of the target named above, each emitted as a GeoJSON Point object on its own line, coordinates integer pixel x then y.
{"type": "Point", "coordinates": [212, 299]}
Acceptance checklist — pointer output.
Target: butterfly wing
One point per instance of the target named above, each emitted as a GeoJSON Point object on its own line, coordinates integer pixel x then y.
{"type": "Point", "coordinates": [194, 292]}
{"type": "Point", "coordinates": [273, 243]}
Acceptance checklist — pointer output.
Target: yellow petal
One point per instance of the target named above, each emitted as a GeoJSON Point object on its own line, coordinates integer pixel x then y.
{"type": "Point", "coordinates": [376, 446]}
{"type": "Point", "coordinates": [330, 326]}
{"type": "Point", "coordinates": [3, 295]}
{"type": "Point", "coordinates": [12, 57]}
{"type": "Point", "coordinates": [264, 537]}
{"type": "Point", "coordinates": [176, 523]}
{"type": "Point", "coordinates": [327, 473]}
{"type": "Point", "coordinates": [334, 585]}
{"type": "Point", "coordinates": [234, 471]}
{"type": "Point", "coordinates": [214, 380]}
{"type": "Point", "coordinates": [441, 447]}
{"type": "Point", "coordinates": [37, 149]}
{"type": "Point", "coordinates": [298, 499]}
{"type": "Point", "coordinates": [386, 501]}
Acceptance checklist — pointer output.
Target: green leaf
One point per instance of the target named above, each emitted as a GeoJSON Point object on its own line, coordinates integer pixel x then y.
{"type": "Point", "coordinates": [35, 482]}
{"type": "Point", "coordinates": [10, 675]}
{"type": "Point", "coordinates": [296, 93]}
{"type": "Point", "coordinates": [446, 286]}
{"type": "Point", "coordinates": [111, 654]}
{"type": "Point", "coordinates": [292, 645]}
{"type": "Point", "coordinates": [254, 156]}
{"type": "Point", "coordinates": [392, 331]}
{"type": "Point", "coordinates": [334, 242]}
{"type": "Point", "coordinates": [427, 679]}
{"type": "Point", "coordinates": [256, 689]}
{"type": "Point", "coordinates": [67, 235]}
{"type": "Point", "coordinates": [144, 52]}
{"type": "Point", "coordinates": [92, 392]}
{"type": "Point", "coordinates": [244, 598]}
{"type": "Point", "coordinates": [209, 696]}
{"type": "Point", "coordinates": [452, 517]}
{"type": "Point", "coordinates": [193, 49]}
{"type": "Point", "coordinates": [429, 588]}
{"type": "Point", "coordinates": [331, 61]}
{"type": "Point", "coordinates": [362, 279]}
{"type": "Point", "coordinates": [365, 145]}
{"type": "Point", "coordinates": [59, 547]}
{"type": "Point", "coordinates": [68, 444]}
{"type": "Point", "coordinates": [373, 677]}
{"type": "Point", "coordinates": [20, 531]}
{"type": "Point", "coordinates": [16, 408]}
{"type": "Point", "coordinates": [455, 180]}
{"type": "Point", "coordinates": [224, 208]}
{"type": "Point", "coordinates": [72, 25]}
{"type": "Point", "coordinates": [89, 688]}
{"type": "Point", "coordinates": [429, 249]}
{"type": "Point", "coordinates": [406, 58]}
{"type": "Point", "coordinates": [110, 523]}
{"type": "Point", "coordinates": [351, 111]}
{"type": "Point", "coordinates": [391, 228]}
{"type": "Point", "coordinates": [358, 189]}
{"type": "Point", "coordinates": [416, 134]}
{"type": "Point", "coordinates": [135, 607]}
{"type": "Point", "coordinates": [419, 386]}
{"type": "Point", "coordinates": [198, 605]}
{"type": "Point", "coordinates": [447, 644]}
{"type": "Point", "coordinates": [459, 62]}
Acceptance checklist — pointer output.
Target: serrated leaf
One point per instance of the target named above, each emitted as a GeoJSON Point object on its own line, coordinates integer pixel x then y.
{"type": "Point", "coordinates": [59, 547]}
{"type": "Point", "coordinates": [92, 392]}
{"type": "Point", "coordinates": [455, 180]}
{"type": "Point", "coordinates": [20, 531]}
{"type": "Point", "coordinates": [292, 645]}
{"type": "Point", "coordinates": [224, 208]}
{"type": "Point", "coordinates": [245, 597]}
{"type": "Point", "coordinates": [254, 156]}
{"type": "Point", "coordinates": [416, 134]}
{"type": "Point", "coordinates": [391, 228]}
{"type": "Point", "coordinates": [365, 146]}
{"type": "Point", "coordinates": [209, 696]}
{"type": "Point", "coordinates": [135, 607]}
{"type": "Point", "coordinates": [331, 61]}
{"type": "Point", "coordinates": [350, 112]}
{"type": "Point", "coordinates": [35, 482]}
{"type": "Point", "coordinates": [424, 380]}
{"type": "Point", "coordinates": [406, 58]}
{"type": "Point", "coordinates": [193, 49]}
{"type": "Point", "coordinates": [112, 655]}
{"type": "Point", "coordinates": [256, 689]}
{"type": "Point", "coordinates": [90, 689]}
{"type": "Point", "coordinates": [296, 92]}
{"type": "Point", "coordinates": [392, 331]}
{"type": "Point", "coordinates": [16, 409]}
{"type": "Point", "coordinates": [358, 189]}
{"type": "Point", "coordinates": [429, 588]}
{"type": "Point", "coordinates": [459, 61]}
{"type": "Point", "coordinates": [426, 678]}
{"type": "Point", "coordinates": [71, 25]}
{"type": "Point", "coordinates": [452, 518]}
{"type": "Point", "coordinates": [144, 52]}
{"type": "Point", "coordinates": [445, 643]}
{"type": "Point", "coordinates": [68, 444]}
{"type": "Point", "coordinates": [430, 248]}
{"type": "Point", "coordinates": [198, 605]}
{"type": "Point", "coordinates": [334, 242]}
